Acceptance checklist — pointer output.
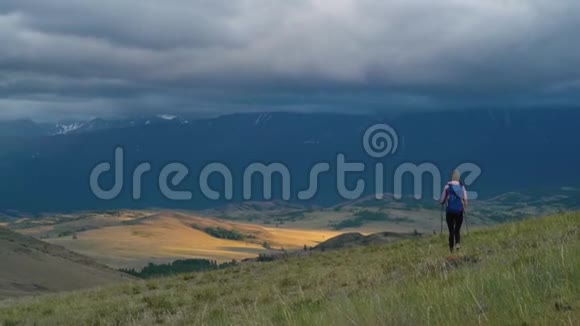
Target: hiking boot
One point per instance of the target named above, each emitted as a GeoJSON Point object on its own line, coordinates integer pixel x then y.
{"type": "Point", "coordinates": [457, 246]}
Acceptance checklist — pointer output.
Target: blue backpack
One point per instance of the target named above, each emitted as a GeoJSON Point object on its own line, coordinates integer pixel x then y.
{"type": "Point", "coordinates": [454, 200]}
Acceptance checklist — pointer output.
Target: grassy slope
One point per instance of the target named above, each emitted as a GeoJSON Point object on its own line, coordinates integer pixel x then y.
{"type": "Point", "coordinates": [525, 273]}
{"type": "Point", "coordinates": [29, 266]}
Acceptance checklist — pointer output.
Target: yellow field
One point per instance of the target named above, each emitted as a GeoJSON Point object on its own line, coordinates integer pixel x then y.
{"type": "Point", "coordinates": [167, 236]}
{"type": "Point", "coordinates": [132, 239]}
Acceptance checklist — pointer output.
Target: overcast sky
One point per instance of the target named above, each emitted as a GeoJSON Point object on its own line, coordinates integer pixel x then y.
{"type": "Point", "coordinates": [81, 58]}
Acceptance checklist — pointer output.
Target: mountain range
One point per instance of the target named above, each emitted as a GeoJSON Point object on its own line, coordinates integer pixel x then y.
{"type": "Point", "coordinates": [46, 167]}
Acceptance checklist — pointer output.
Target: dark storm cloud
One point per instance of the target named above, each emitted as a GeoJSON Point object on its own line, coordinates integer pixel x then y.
{"type": "Point", "coordinates": [82, 58]}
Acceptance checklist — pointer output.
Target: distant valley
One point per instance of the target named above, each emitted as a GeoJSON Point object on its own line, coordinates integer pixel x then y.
{"type": "Point", "coordinates": [134, 238]}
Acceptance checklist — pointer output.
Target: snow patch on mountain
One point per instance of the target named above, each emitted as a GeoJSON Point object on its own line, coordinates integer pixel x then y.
{"type": "Point", "coordinates": [312, 142]}
{"type": "Point", "coordinates": [262, 118]}
{"type": "Point", "coordinates": [64, 129]}
{"type": "Point", "coordinates": [167, 116]}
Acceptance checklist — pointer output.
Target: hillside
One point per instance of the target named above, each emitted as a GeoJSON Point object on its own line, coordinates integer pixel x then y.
{"type": "Point", "coordinates": [524, 273]}
{"type": "Point", "coordinates": [401, 215]}
{"type": "Point", "coordinates": [132, 239]}
{"type": "Point", "coordinates": [29, 266]}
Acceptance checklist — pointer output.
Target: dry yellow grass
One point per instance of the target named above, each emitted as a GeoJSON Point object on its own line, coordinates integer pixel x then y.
{"type": "Point", "coordinates": [132, 239]}
{"type": "Point", "coordinates": [167, 236]}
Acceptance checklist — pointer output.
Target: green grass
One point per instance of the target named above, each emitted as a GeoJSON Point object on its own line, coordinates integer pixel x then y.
{"type": "Point", "coordinates": [362, 217]}
{"type": "Point", "coordinates": [525, 273]}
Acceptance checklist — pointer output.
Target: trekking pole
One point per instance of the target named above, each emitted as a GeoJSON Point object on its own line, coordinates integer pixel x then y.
{"type": "Point", "coordinates": [441, 232]}
{"type": "Point", "coordinates": [466, 224]}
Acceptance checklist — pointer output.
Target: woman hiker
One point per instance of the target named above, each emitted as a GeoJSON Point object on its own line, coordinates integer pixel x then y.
{"type": "Point", "coordinates": [455, 196]}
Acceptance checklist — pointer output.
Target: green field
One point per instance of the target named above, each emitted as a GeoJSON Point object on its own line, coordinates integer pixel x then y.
{"type": "Point", "coordinates": [525, 273]}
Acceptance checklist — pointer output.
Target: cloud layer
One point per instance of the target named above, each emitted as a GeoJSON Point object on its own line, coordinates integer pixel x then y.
{"type": "Point", "coordinates": [65, 59]}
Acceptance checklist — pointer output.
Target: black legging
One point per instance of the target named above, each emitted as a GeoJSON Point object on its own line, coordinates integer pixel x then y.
{"type": "Point", "coordinates": [454, 221]}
